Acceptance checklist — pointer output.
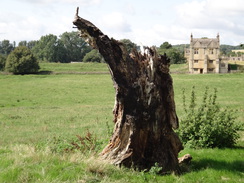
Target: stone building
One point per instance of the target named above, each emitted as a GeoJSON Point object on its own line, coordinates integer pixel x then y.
{"type": "Point", "coordinates": [203, 56]}
{"type": "Point", "coordinates": [238, 57]}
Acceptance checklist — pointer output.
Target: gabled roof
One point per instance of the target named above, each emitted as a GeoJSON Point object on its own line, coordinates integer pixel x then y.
{"type": "Point", "coordinates": [205, 42]}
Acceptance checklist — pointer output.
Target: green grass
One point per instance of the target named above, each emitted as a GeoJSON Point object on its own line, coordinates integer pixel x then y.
{"type": "Point", "coordinates": [23, 163]}
{"type": "Point", "coordinates": [80, 67]}
{"type": "Point", "coordinates": [48, 104]}
{"type": "Point", "coordinates": [179, 68]}
{"type": "Point", "coordinates": [73, 67]}
{"type": "Point", "coordinates": [230, 89]}
{"type": "Point", "coordinates": [42, 114]}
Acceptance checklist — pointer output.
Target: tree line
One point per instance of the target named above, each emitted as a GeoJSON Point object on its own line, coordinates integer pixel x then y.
{"type": "Point", "coordinates": [65, 48]}
{"type": "Point", "coordinates": [51, 48]}
{"type": "Point", "coordinates": [69, 47]}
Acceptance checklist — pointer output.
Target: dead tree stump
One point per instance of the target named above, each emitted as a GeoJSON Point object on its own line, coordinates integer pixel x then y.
{"type": "Point", "coordinates": [144, 110]}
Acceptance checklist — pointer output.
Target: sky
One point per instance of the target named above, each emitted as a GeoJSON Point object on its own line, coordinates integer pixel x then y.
{"type": "Point", "coordinates": [145, 22]}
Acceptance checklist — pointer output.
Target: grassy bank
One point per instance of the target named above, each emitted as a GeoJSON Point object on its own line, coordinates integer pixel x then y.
{"type": "Point", "coordinates": [40, 115]}
{"type": "Point", "coordinates": [73, 67]}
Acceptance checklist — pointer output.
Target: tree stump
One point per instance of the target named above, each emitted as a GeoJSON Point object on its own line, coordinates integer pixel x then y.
{"type": "Point", "coordinates": [144, 110]}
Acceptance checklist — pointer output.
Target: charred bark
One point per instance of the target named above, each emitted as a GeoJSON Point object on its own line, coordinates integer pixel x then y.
{"type": "Point", "coordinates": [144, 110]}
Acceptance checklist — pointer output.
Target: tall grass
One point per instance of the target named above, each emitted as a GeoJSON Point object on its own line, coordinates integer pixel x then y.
{"type": "Point", "coordinates": [23, 163]}
{"type": "Point", "coordinates": [41, 113]}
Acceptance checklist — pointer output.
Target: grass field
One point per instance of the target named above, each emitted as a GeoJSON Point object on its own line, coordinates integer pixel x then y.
{"type": "Point", "coordinates": [40, 115]}
{"type": "Point", "coordinates": [70, 68]}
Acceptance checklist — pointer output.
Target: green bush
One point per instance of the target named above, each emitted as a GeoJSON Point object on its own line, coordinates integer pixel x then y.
{"type": "Point", "coordinates": [93, 56]}
{"type": "Point", "coordinates": [2, 62]}
{"type": "Point", "coordinates": [207, 125]}
{"type": "Point", "coordinates": [21, 61]}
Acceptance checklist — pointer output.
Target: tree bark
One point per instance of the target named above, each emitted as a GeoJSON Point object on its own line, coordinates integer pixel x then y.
{"type": "Point", "coordinates": [144, 110]}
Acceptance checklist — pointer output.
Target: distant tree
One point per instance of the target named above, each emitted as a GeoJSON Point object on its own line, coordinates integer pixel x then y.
{"type": "Point", "coordinates": [74, 47]}
{"type": "Point", "coordinates": [46, 49]}
{"type": "Point", "coordinates": [129, 45]}
{"type": "Point", "coordinates": [23, 43]}
{"type": "Point", "coordinates": [181, 47]}
{"type": "Point", "coordinates": [176, 57]}
{"type": "Point", "coordinates": [6, 47]}
{"type": "Point", "coordinates": [93, 56]}
{"type": "Point", "coordinates": [31, 44]}
{"type": "Point", "coordinates": [21, 61]}
{"type": "Point", "coordinates": [227, 49]}
{"type": "Point", "coordinates": [2, 62]}
{"type": "Point", "coordinates": [165, 45]}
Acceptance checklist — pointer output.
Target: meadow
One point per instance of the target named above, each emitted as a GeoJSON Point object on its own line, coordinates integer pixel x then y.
{"type": "Point", "coordinates": [41, 115]}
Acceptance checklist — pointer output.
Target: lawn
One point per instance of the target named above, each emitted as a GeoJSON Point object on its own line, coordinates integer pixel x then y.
{"type": "Point", "coordinates": [40, 115]}
{"type": "Point", "coordinates": [75, 67]}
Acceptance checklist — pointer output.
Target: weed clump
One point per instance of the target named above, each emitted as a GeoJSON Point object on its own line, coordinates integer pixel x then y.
{"type": "Point", "coordinates": [85, 144]}
{"type": "Point", "coordinates": [207, 125]}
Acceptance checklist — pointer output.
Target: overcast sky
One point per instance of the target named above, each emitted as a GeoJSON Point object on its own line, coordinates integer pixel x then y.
{"type": "Point", "coordinates": [146, 22]}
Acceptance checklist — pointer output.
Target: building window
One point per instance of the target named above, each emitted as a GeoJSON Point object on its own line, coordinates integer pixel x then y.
{"type": "Point", "coordinates": [210, 69]}
{"type": "Point", "coordinates": [211, 61]}
{"type": "Point", "coordinates": [195, 61]}
{"type": "Point", "coordinates": [195, 70]}
{"type": "Point", "coordinates": [211, 51]}
{"type": "Point", "coordinates": [222, 64]}
{"type": "Point", "coordinates": [195, 51]}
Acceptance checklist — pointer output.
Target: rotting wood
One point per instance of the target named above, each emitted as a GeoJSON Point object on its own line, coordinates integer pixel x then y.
{"type": "Point", "coordinates": [144, 110]}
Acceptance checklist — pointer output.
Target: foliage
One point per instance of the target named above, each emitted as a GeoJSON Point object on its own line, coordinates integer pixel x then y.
{"type": "Point", "coordinates": [207, 125]}
{"type": "Point", "coordinates": [156, 169]}
{"type": "Point", "coordinates": [47, 49]}
{"type": "Point", "coordinates": [69, 47]}
{"type": "Point", "coordinates": [181, 47]}
{"type": "Point", "coordinates": [6, 47]}
{"type": "Point", "coordinates": [93, 56]}
{"type": "Point", "coordinates": [2, 62]}
{"type": "Point", "coordinates": [165, 45]}
{"type": "Point", "coordinates": [129, 45]}
{"type": "Point", "coordinates": [176, 57]}
{"type": "Point", "coordinates": [74, 47]}
{"type": "Point", "coordinates": [21, 61]}
{"type": "Point", "coordinates": [23, 43]}
{"type": "Point", "coordinates": [227, 49]}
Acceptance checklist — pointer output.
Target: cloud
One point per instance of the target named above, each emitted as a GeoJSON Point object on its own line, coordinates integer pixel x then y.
{"type": "Point", "coordinates": [130, 9]}
{"type": "Point", "coordinates": [212, 16]}
{"type": "Point", "coordinates": [211, 13]}
{"type": "Point", "coordinates": [80, 2]}
{"type": "Point", "coordinates": [29, 27]}
{"type": "Point", "coordinates": [115, 21]}
{"type": "Point", "coordinates": [159, 33]}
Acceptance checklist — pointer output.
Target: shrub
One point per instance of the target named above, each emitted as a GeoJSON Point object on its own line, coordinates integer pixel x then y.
{"type": "Point", "coordinates": [2, 62]}
{"type": "Point", "coordinates": [93, 56]}
{"type": "Point", "coordinates": [21, 61]}
{"type": "Point", "coordinates": [207, 125]}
